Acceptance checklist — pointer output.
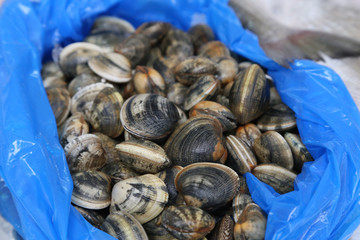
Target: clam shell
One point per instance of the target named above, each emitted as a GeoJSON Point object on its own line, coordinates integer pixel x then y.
{"type": "Point", "coordinates": [180, 49]}
{"type": "Point", "coordinates": [74, 126]}
{"type": "Point", "coordinates": [200, 34]}
{"type": "Point", "coordinates": [144, 197]}
{"type": "Point", "coordinates": [213, 49]}
{"type": "Point", "coordinates": [51, 69]}
{"type": "Point", "coordinates": [191, 69]}
{"type": "Point", "coordinates": [148, 80]}
{"type": "Point", "coordinates": [227, 69]}
{"type": "Point", "coordinates": [177, 93]}
{"type": "Point", "coordinates": [298, 149]}
{"type": "Point", "coordinates": [81, 81]}
{"type": "Point", "coordinates": [239, 203]}
{"type": "Point", "coordinates": [85, 153]}
{"type": "Point", "coordinates": [113, 24]}
{"type": "Point", "coordinates": [168, 176]}
{"type": "Point", "coordinates": [224, 229]}
{"type": "Point", "coordinates": [250, 94]}
{"type": "Point", "coordinates": [109, 147]}
{"type": "Point", "coordinates": [126, 90]}
{"type": "Point", "coordinates": [248, 133]}
{"type": "Point", "coordinates": [271, 147]}
{"type": "Point", "coordinates": [74, 57]}
{"type": "Point", "coordinates": [252, 224]}
{"type": "Point", "coordinates": [105, 112]}
{"type": "Point", "coordinates": [155, 31]}
{"type": "Point", "coordinates": [91, 216]}
{"type": "Point", "coordinates": [107, 40]}
{"type": "Point", "coordinates": [143, 156]}
{"type": "Point", "coordinates": [281, 179]}
{"type": "Point", "coordinates": [118, 171]}
{"type": "Point", "coordinates": [54, 82]}
{"type": "Point", "coordinates": [207, 185]}
{"type": "Point", "coordinates": [165, 66]}
{"type": "Point", "coordinates": [240, 155]}
{"type": "Point", "coordinates": [278, 118]}
{"type": "Point", "coordinates": [204, 88]}
{"type": "Point", "coordinates": [149, 116]}
{"type": "Point", "coordinates": [221, 113]}
{"type": "Point", "coordinates": [243, 185]}
{"type": "Point", "coordinates": [155, 231]}
{"type": "Point", "coordinates": [227, 89]}
{"type": "Point", "coordinates": [59, 99]}
{"type": "Point", "coordinates": [187, 222]}
{"type": "Point", "coordinates": [221, 99]}
{"type": "Point", "coordinates": [182, 115]}
{"type": "Point", "coordinates": [274, 95]}
{"type": "Point", "coordinates": [155, 53]}
{"type": "Point", "coordinates": [111, 66]}
{"type": "Point", "coordinates": [124, 226]}
{"type": "Point", "coordinates": [244, 65]}
{"type": "Point", "coordinates": [91, 190]}
{"type": "Point", "coordinates": [199, 139]}
{"type": "Point", "coordinates": [176, 37]}
{"type": "Point", "coordinates": [82, 101]}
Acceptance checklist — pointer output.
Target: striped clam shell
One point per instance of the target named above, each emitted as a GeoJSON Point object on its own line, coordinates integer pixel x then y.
{"type": "Point", "coordinates": [200, 34]}
{"type": "Point", "coordinates": [243, 185]}
{"type": "Point", "coordinates": [177, 93]}
{"type": "Point", "coordinates": [248, 133]}
{"type": "Point", "coordinates": [278, 118]}
{"type": "Point", "coordinates": [227, 69]}
{"type": "Point", "coordinates": [85, 153]}
{"type": "Point", "coordinates": [239, 203]}
{"type": "Point", "coordinates": [224, 229]}
{"type": "Point", "coordinates": [74, 57]}
{"type": "Point", "coordinates": [109, 147]}
{"type": "Point", "coordinates": [124, 226]}
{"type": "Point", "coordinates": [149, 116]}
{"type": "Point", "coordinates": [221, 113]}
{"type": "Point", "coordinates": [91, 190]}
{"type": "Point", "coordinates": [143, 156]}
{"type": "Point", "coordinates": [240, 155]}
{"type": "Point", "coordinates": [156, 231]}
{"type": "Point", "coordinates": [59, 99]}
{"type": "Point", "coordinates": [73, 127]}
{"type": "Point", "coordinates": [168, 176]}
{"type": "Point", "coordinates": [191, 69]}
{"type": "Point", "coordinates": [118, 171]}
{"type": "Point", "coordinates": [204, 88]}
{"type": "Point", "coordinates": [155, 31]}
{"type": "Point", "coordinates": [213, 49]}
{"type": "Point", "coordinates": [227, 89]}
{"type": "Point", "coordinates": [250, 94]}
{"type": "Point", "coordinates": [271, 147]}
{"type": "Point", "coordinates": [111, 66]}
{"type": "Point", "coordinates": [300, 153]}
{"type": "Point", "coordinates": [252, 223]}
{"type": "Point", "coordinates": [93, 217]}
{"type": "Point", "coordinates": [165, 66]}
{"type": "Point", "coordinates": [81, 81]}
{"type": "Point", "coordinates": [148, 80]}
{"type": "Point", "coordinates": [144, 197]}
{"type": "Point", "coordinates": [207, 185]}
{"type": "Point", "coordinates": [187, 222]}
{"type": "Point", "coordinates": [281, 179]}
{"type": "Point", "coordinates": [177, 43]}
{"type": "Point", "coordinates": [199, 139]}
{"type": "Point", "coordinates": [105, 112]}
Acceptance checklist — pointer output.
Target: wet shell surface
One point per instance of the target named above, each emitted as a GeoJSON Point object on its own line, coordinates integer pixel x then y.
{"type": "Point", "coordinates": [281, 179]}
{"type": "Point", "coordinates": [204, 88]}
{"type": "Point", "coordinates": [199, 139]}
{"type": "Point", "coordinates": [85, 153]}
{"type": "Point", "coordinates": [298, 149]}
{"type": "Point", "coordinates": [148, 80]}
{"type": "Point", "coordinates": [73, 127]}
{"type": "Point", "coordinates": [149, 116]}
{"type": "Point", "coordinates": [91, 190]}
{"type": "Point", "coordinates": [144, 197]}
{"type": "Point", "coordinates": [59, 99]}
{"type": "Point", "coordinates": [239, 203]}
{"type": "Point", "coordinates": [224, 229]}
{"type": "Point", "coordinates": [252, 224]}
{"type": "Point", "coordinates": [91, 216]}
{"type": "Point", "coordinates": [278, 118]}
{"type": "Point", "coordinates": [240, 155]}
{"type": "Point", "coordinates": [111, 66]}
{"type": "Point", "coordinates": [187, 222]}
{"type": "Point", "coordinates": [200, 34]}
{"type": "Point", "coordinates": [221, 113]}
{"type": "Point", "coordinates": [118, 171]}
{"type": "Point", "coordinates": [105, 112]}
{"type": "Point", "coordinates": [124, 226]}
{"type": "Point", "coordinates": [191, 69]}
{"type": "Point", "coordinates": [227, 69]}
{"type": "Point", "coordinates": [271, 147]}
{"type": "Point", "coordinates": [74, 57]}
{"type": "Point", "coordinates": [168, 176]}
{"type": "Point", "coordinates": [250, 94]}
{"type": "Point", "coordinates": [81, 81]}
{"type": "Point", "coordinates": [213, 49]}
{"type": "Point", "coordinates": [248, 133]}
{"type": "Point", "coordinates": [143, 156]}
{"type": "Point", "coordinates": [207, 185]}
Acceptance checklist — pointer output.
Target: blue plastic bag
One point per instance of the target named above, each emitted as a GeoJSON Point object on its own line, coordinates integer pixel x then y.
{"type": "Point", "coordinates": [35, 182]}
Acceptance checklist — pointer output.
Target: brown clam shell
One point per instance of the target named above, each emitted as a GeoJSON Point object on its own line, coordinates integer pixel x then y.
{"type": "Point", "coordinates": [213, 49]}
{"type": "Point", "coordinates": [278, 118]}
{"type": "Point", "coordinates": [224, 229]}
{"type": "Point", "coordinates": [148, 80]}
{"type": "Point", "coordinates": [227, 69]}
{"type": "Point", "coordinates": [248, 133]}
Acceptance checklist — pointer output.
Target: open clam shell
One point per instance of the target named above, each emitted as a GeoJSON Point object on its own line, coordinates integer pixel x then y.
{"type": "Point", "coordinates": [59, 99]}
{"type": "Point", "coordinates": [91, 190]}
{"type": "Point", "coordinates": [144, 197]}
{"type": "Point", "coordinates": [149, 116]}
{"type": "Point", "coordinates": [207, 185]}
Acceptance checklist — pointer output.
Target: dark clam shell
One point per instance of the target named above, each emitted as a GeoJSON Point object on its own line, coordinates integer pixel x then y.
{"type": "Point", "coordinates": [124, 226]}
{"type": "Point", "coordinates": [149, 116]}
{"type": "Point", "coordinates": [165, 66]}
{"type": "Point", "coordinates": [59, 99]}
{"type": "Point", "coordinates": [91, 216]}
{"type": "Point", "coordinates": [155, 31]}
{"type": "Point", "coordinates": [227, 69]}
{"type": "Point", "coordinates": [271, 147]}
{"type": "Point", "coordinates": [148, 80]}
{"type": "Point", "coordinates": [73, 127]}
{"type": "Point", "coordinates": [224, 229]}
{"type": "Point", "coordinates": [168, 176]}
{"type": "Point", "coordinates": [81, 81]}
{"type": "Point", "coordinates": [118, 171]}
{"type": "Point", "coordinates": [177, 43]}
{"type": "Point", "coordinates": [250, 94]}
{"type": "Point", "coordinates": [155, 231]}
{"type": "Point", "coordinates": [221, 113]}
{"type": "Point", "coordinates": [300, 153]}
{"type": "Point", "coordinates": [191, 69]}
{"type": "Point", "coordinates": [213, 49]}
{"type": "Point", "coordinates": [239, 203]}
{"type": "Point", "coordinates": [207, 185]}
{"type": "Point", "coordinates": [252, 223]}
{"type": "Point", "coordinates": [187, 222]}
{"type": "Point", "coordinates": [248, 133]}
{"type": "Point", "coordinates": [91, 190]}
{"type": "Point", "coordinates": [105, 112]}
{"type": "Point", "coordinates": [278, 118]}
{"type": "Point", "coordinates": [112, 24]}
{"type": "Point", "coordinates": [199, 139]}
{"type": "Point", "coordinates": [200, 34]}
{"type": "Point", "coordinates": [204, 88]}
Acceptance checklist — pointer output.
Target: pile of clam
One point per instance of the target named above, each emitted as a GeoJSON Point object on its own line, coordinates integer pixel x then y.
{"type": "Point", "coordinates": [158, 127]}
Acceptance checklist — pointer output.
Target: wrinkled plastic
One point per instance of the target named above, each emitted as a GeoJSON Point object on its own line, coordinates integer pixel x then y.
{"type": "Point", "coordinates": [35, 182]}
